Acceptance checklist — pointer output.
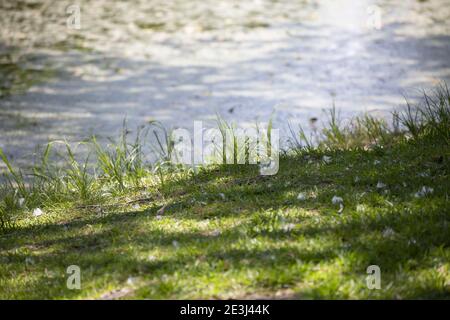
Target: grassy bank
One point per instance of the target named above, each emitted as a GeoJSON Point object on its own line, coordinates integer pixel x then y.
{"type": "Point", "coordinates": [349, 197]}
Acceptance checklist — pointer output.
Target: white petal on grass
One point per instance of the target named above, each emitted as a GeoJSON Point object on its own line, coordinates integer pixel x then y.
{"type": "Point", "coordinates": [380, 185]}
{"type": "Point", "coordinates": [222, 196]}
{"type": "Point", "coordinates": [341, 207]}
{"type": "Point", "coordinates": [427, 190]}
{"type": "Point", "coordinates": [175, 244]}
{"type": "Point", "coordinates": [288, 227]}
{"type": "Point", "coordinates": [21, 202]}
{"type": "Point", "coordinates": [37, 212]}
{"type": "Point", "coordinates": [388, 233]}
{"type": "Point", "coordinates": [301, 196]}
{"type": "Point", "coordinates": [337, 200]}
{"type": "Point", "coordinates": [357, 179]}
{"type": "Point", "coordinates": [424, 192]}
{"type": "Point", "coordinates": [376, 162]}
{"type": "Point", "coordinates": [131, 281]}
{"type": "Point", "coordinates": [158, 217]}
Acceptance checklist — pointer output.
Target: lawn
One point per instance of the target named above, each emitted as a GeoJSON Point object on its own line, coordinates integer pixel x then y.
{"type": "Point", "coordinates": [224, 231]}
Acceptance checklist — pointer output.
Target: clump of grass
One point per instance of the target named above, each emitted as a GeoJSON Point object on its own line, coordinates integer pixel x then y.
{"type": "Point", "coordinates": [164, 145]}
{"type": "Point", "coordinates": [108, 170]}
{"type": "Point", "coordinates": [46, 184]}
{"type": "Point", "coordinates": [428, 120]}
{"type": "Point", "coordinates": [9, 208]}
{"type": "Point", "coordinates": [15, 178]}
{"type": "Point", "coordinates": [78, 179]}
{"type": "Point", "coordinates": [120, 162]}
{"type": "Point", "coordinates": [361, 132]}
{"type": "Point", "coordinates": [431, 118]}
{"type": "Point", "coordinates": [238, 146]}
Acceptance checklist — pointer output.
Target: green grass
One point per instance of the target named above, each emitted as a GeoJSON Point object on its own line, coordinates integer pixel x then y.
{"type": "Point", "coordinates": [228, 232]}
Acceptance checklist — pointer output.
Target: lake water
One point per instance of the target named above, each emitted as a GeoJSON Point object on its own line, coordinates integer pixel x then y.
{"type": "Point", "coordinates": [178, 61]}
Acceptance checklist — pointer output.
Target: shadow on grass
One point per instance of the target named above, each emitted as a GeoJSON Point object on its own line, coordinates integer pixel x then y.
{"type": "Point", "coordinates": [321, 251]}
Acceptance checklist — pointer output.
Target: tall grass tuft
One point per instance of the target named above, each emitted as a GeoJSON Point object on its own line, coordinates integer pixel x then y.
{"type": "Point", "coordinates": [78, 179]}
{"type": "Point", "coordinates": [121, 163]}
{"type": "Point", "coordinates": [13, 191]}
{"type": "Point", "coordinates": [9, 208]}
{"type": "Point", "coordinates": [15, 178]}
{"type": "Point", "coordinates": [361, 132]}
{"type": "Point", "coordinates": [164, 145]}
{"type": "Point", "coordinates": [429, 119]}
{"type": "Point", "coordinates": [238, 146]}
